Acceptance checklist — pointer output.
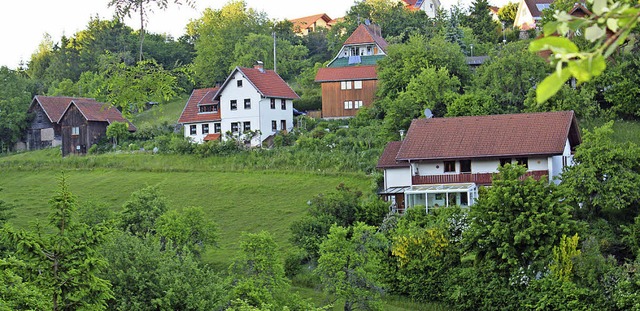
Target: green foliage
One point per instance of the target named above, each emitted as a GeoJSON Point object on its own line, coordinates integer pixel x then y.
{"type": "Point", "coordinates": [349, 263]}
{"type": "Point", "coordinates": [632, 236]}
{"type": "Point", "coordinates": [621, 85]}
{"type": "Point", "coordinates": [117, 130]}
{"type": "Point", "coordinates": [481, 22]}
{"type": "Point", "coordinates": [516, 222]}
{"type": "Point", "coordinates": [509, 74]}
{"type": "Point", "coordinates": [473, 103]}
{"type": "Point", "coordinates": [16, 294]}
{"type": "Point", "coordinates": [216, 34]}
{"type": "Point", "coordinates": [15, 98]}
{"type": "Point", "coordinates": [141, 212]}
{"type": "Point", "coordinates": [343, 207]}
{"type": "Point", "coordinates": [627, 293]}
{"type": "Point", "coordinates": [507, 13]}
{"type": "Point", "coordinates": [65, 264]}
{"type": "Point", "coordinates": [292, 59]}
{"type": "Point", "coordinates": [581, 100]}
{"type": "Point", "coordinates": [552, 294]}
{"type": "Point", "coordinates": [606, 174]}
{"type": "Point", "coordinates": [562, 265]}
{"type": "Point", "coordinates": [432, 88]}
{"type": "Point", "coordinates": [186, 230]}
{"type": "Point", "coordinates": [144, 277]}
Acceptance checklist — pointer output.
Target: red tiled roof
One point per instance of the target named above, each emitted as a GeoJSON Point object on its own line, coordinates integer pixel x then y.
{"type": "Point", "coordinates": [305, 22]}
{"type": "Point", "coordinates": [198, 97]}
{"type": "Point", "coordinates": [327, 74]}
{"type": "Point", "coordinates": [365, 34]}
{"type": "Point", "coordinates": [388, 157]}
{"type": "Point", "coordinates": [54, 106]}
{"type": "Point", "coordinates": [268, 83]}
{"type": "Point", "coordinates": [490, 136]}
{"type": "Point", "coordinates": [212, 137]}
{"type": "Point", "coordinates": [100, 112]}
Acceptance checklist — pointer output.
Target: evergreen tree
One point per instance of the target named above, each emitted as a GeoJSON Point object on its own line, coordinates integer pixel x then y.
{"type": "Point", "coordinates": [481, 22]}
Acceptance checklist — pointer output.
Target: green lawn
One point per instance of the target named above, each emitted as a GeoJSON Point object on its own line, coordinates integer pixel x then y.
{"type": "Point", "coordinates": [169, 112]}
{"type": "Point", "coordinates": [237, 200]}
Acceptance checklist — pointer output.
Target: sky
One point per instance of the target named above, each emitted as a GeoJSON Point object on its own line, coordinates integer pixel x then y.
{"type": "Point", "coordinates": [23, 23]}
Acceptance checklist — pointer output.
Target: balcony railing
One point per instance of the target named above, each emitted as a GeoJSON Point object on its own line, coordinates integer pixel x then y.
{"type": "Point", "coordinates": [478, 178]}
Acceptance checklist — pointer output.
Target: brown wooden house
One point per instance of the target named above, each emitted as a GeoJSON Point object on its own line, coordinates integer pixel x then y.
{"type": "Point", "coordinates": [85, 122]}
{"type": "Point", "coordinates": [45, 112]}
{"type": "Point", "coordinates": [349, 81]}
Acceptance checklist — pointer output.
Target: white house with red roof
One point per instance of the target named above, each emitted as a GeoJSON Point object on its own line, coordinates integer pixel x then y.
{"type": "Point", "coordinates": [443, 161]}
{"type": "Point", "coordinates": [304, 25]}
{"type": "Point", "coordinates": [350, 80]}
{"type": "Point", "coordinates": [529, 13]}
{"type": "Point", "coordinates": [201, 116]}
{"type": "Point", "coordinates": [252, 104]}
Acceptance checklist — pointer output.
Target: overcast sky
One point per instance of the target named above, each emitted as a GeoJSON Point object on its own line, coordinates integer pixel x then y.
{"type": "Point", "coordinates": [23, 23]}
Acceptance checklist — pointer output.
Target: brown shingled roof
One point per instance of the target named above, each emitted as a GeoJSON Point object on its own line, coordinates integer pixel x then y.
{"type": "Point", "coordinates": [199, 97]}
{"type": "Point", "coordinates": [99, 112]}
{"type": "Point", "coordinates": [305, 22]}
{"type": "Point", "coordinates": [365, 34]}
{"type": "Point", "coordinates": [54, 106]}
{"type": "Point", "coordinates": [388, 157]}
{"type": "Point", "coordinates": [327, 74]}
{"type": "Point", "coordinates": [490, 136]}
{"type": "Point", "coordinates": [268, 83]}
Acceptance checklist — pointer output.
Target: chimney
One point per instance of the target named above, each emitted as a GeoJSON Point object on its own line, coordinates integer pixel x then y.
{"type": "Point", "coordinates": [259, 65]}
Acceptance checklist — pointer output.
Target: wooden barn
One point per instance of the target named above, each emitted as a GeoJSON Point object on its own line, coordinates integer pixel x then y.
{"type": "Point", "coordinates": [44, 128]}
{"type": "Point", "coordinates": [85, 122]}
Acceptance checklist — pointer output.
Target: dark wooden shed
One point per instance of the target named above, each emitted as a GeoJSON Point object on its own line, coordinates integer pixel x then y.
{"type": "Point", "coordinates": [85, 122]}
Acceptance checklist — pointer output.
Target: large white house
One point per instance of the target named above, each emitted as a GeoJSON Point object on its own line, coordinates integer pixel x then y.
{"type": "Point", "coordinates": [252, 104]}
{"type": "Point", "coordinates": [443, 161]}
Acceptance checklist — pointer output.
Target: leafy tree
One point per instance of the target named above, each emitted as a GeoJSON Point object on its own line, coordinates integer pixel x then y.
{"type": "Point", "coordinates": [259, 279]}
{"type": "Point", "coordinates": [516, 222]}
{"type": "Point", "coordinates": [582, 100]}
{"type": "Point", "coordinates": [621, 84]}
{"type": "Point", "coordinates": [125, 7]}
{"type": "Point", "coordinates": [16, 293]}
{"type": "Point", "coordinates": [258, 47]}
{"type": "Point", "coordinates": [117, 130]}
{"type": "Point", "coordinates": [481, 22]}
{"type": "Point", "coordinates": [144, 277]}
{"type": "Point", "coordinates": [507, 13]}
{"type": "Point", "coordinates": [186, 229]}
{"type": "Point", "coordinates": [473, 103]}
{"type": "Point", "coordinates": [454, 32]}
{"type": "Point", "coordinates": [14, 102]}
{"type": "Point", "coordinates": [605, 175]}
{"type": "Point", "coordinates": [142, 210]}
{"type": "Point", "coordinates": [131, 87]}
{"type": "Point", "coordinates": [349, 264]}
{"type": "Point", "coordinates": [216, 34]}
{"type": "Point", "coordinates": [65, 263]}
{"type": "Point", "coordinates": [509, 74]}
{"type": "Point", "coordinates": [432, 88]}
{"type": "Point", "coordinates": [632, 236]}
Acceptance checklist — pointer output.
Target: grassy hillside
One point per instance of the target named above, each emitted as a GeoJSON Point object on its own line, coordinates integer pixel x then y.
{"type": "Point", "coordinates": [237, 199]}
{"type": "Point", "coordinates": [169, 113]}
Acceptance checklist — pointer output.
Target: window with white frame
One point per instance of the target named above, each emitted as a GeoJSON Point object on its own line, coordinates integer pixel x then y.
{"type": "Point", "coordinates": [217, 128]}
{"type": "Point", "coordinates": [75, 130]}
{"type": "Point", "coordinates": [274, 125]}
{"type": "Point", "coordinates": [246, 126]}
{"type": "Point", "coordinates": [283, 125]}
{"type": "Point", "coordinates": [233, 104]}
{"type": "Point", "coordinates": [348, 104]}
{"type": "Point", "coordinates": [357, 104]}
{"type": "Point", "coordinates": [247, 103]}
{"type": "Point", "coordinates": [283, 104]}
{"type": "Point", "coordinates": [345, 85]}
{"type": "Point", "coordinates": [234, 127]}
{"type": "Point", "coordinates": [205, 128]}
{"type": "Point", "coordinates": [193, 129]}
{"type": "Point", "coordinates": [357, 84]}
{"type": "Point", "coordinates": [239, 83]}
{"type": "Point", "coordinates": [273, 103]}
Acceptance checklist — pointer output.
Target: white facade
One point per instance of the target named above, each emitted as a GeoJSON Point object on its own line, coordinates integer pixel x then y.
{"type": "Point", "coordinates": [243, 108]}
{"type": "Point", "coordinates": [202, 129]}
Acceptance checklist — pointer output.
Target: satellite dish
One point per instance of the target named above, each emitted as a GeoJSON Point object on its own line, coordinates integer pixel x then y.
{"type": "Point", "coordinates": [428, 114]}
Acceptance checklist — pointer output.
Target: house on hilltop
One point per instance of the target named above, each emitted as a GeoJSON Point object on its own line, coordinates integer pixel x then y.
{"type": "Point", "coordinates": [430, 7]}
{"type": "Point", "coordinates": [443, 161]}
{"type": "Point", "coordinates": [84, 122]}
{"type": "Point", "coordinates": [252, 104]}
{"type": "Point", "coordinates": [44, 128]}
{"type": "Point", "coordinates": [350, 80]}
{"type": "Point", "coordinates": [304, 25]}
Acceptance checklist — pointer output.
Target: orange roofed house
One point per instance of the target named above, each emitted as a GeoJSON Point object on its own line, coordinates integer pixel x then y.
{"type": "Point", "coordinates": [443, 161]}
{"type": "Point", "coordinates": [84, 122]}
{"type": "Point", "coordinates": [304, 25]}
{"type": "Point", "coordinates": [349, 81]}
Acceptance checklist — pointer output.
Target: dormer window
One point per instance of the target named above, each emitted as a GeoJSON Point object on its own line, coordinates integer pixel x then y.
{"type": "Point", "coordinates": [208, 108]}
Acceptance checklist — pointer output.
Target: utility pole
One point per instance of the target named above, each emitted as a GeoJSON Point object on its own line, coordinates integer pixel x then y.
{"type": "Point", "coordinates": [274, 52]}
